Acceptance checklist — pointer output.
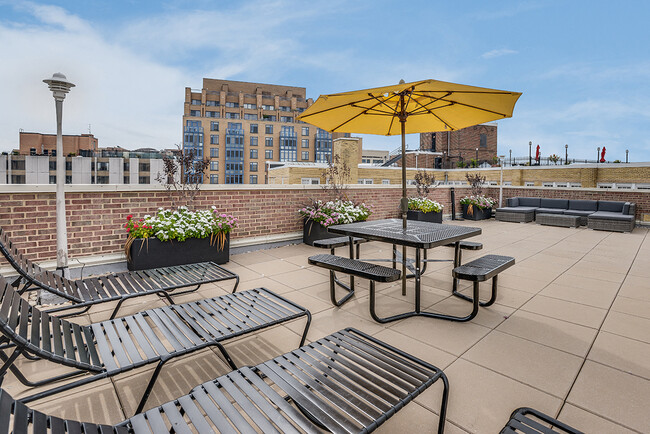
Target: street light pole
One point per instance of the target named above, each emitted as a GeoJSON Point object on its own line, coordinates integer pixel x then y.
{"type": "Point", "coordinates": [566, 154]}
{"type": "Point", "coordinates": [598, 155]}
{"type": "Point", "coordinates": [59, 86]}
{"type": "Point", "coordinates": [511, 158]}
{"type": "Point", "coordinates": [476, 157]}
{"type": "Point", "coordinates": [530, 155]}
{"type": "Point", "coordinates": [501, 158]}
{"type": "Point", "coordinates": [627, 151]}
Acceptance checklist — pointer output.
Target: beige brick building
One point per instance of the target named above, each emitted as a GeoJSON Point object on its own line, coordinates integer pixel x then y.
{"type": "Point", "coordinates": [44, 144]}
{"type": "Point", "coordinates": [240, 126]}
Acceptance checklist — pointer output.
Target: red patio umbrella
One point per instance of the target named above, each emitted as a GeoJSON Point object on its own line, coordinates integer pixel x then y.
{"type": "Point", "coordinates": [537, 153]}
{"type": "Point", "coordinates": [602, 155]}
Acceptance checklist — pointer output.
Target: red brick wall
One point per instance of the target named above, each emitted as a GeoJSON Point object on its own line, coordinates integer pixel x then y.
{"type": "Point", "coordinates": [95, 219]}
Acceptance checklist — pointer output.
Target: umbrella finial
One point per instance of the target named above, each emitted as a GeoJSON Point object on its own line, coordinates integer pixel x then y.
{"type": "Point", "coordinates": [402, 81]}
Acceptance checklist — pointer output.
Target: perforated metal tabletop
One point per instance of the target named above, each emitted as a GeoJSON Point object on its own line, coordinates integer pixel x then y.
{"type": "Point", "coordinates": [417, 234]}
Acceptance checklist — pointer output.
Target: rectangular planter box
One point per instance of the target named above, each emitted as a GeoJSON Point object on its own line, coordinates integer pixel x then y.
{"type": "Point", "coordinates": [313, 231]}
{"type": "Point", "coordinates": [153, 253]}
{"type": "Point", "coordinates": [477, 214]}
{"type": "Point", "coordinates": [421, 216]}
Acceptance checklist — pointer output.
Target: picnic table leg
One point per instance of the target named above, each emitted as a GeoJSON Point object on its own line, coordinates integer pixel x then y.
{"type": "Point", "coordinates": [417, 280]}
{"type": "Point", "coordinates": [351, 257]}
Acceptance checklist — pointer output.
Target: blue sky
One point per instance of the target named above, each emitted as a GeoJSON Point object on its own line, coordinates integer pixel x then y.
{"type": "Point", "coordinates": [583, 66]}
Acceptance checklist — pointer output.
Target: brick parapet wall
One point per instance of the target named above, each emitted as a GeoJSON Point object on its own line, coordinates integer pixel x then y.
{"type": "Point", "coordinates": [96, 215]}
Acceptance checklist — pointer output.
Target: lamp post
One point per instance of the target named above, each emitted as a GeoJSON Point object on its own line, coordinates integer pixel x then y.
{"type": "Point", "coordinates": [566, 154]}
{"type": "Point", "coordinates": [59, 86]}
{"type": "Point", "coordinates": [476, 156]}
{"type": "Point", "coordinates": [530, 155]}
{"type": "Point", "coordinates": [627, 151]}
{"type": "Point", "coordinates": [598, 155]}
{"type": "Point", "coordinates": [501, 157]}
{"type": "Point", "coordinates": [511, 158]}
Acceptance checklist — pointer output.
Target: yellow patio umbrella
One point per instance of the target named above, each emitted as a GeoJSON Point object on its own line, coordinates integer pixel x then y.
{"type": "Point", "coordinates": [406, 108]}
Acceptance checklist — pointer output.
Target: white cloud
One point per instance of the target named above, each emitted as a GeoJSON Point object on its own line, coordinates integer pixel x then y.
{"type": "Point", "coordinates": [498, 53]}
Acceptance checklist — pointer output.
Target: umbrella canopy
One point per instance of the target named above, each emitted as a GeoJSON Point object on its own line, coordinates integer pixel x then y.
{"type": "Point", "coordinates": [537, 153]}
{"type": "Point", "coordinates": [406, 108]}
{"type": "Point", "coordinates": [602, 155]}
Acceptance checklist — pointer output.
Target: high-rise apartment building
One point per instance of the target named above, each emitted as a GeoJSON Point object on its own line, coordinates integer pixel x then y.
{"type": "Point", "coordinates": [240, 126]}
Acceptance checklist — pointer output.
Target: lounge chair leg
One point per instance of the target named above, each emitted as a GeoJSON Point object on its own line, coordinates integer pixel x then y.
{"type": "Point", "coordinates": [225, 355]}
{"type": "Point", "coordinates": [236, 284]}
{"type": "Point", "coordinates": [443, 404]}
{"type": "Point", "coordinates": [149, 388]}
{"type": "Point", "coordinates": [9, 365]}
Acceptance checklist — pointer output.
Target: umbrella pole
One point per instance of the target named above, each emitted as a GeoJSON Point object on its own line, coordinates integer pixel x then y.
{"type": "Point", "coordinates": [404, 202]}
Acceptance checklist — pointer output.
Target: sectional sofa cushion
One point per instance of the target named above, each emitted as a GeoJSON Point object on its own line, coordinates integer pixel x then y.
{"type": "Point", "coordinates": [578, 212]}
{"type": "Point", "coordinates": [529, 201]}
{"type": "Point", "coordinates": [518, 209]}
{"type": "Point", "coordinates": [611, 206]}
{"type": "Point", "coordinates": [583, 205]}
{"type": "Point", "coordinates": [513, 201]}
{"type": "Point", "coordinates": [609, 215]}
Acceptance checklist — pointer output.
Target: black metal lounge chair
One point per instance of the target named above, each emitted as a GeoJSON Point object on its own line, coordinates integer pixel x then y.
{"type": "Point", "coordinates": [113, 287]}
{"type": "Point", "coordinates": [111, 347]}
{"type": "Point", "coordinates": [526, 420]}
{"type": "Point", "coordinates": [346, 382]}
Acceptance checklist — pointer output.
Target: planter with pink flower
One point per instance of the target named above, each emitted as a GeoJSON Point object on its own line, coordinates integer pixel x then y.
{"type": "Point", "coordinates": [319, 215]}
{"type": "Point", "coordinates": [178, 237]}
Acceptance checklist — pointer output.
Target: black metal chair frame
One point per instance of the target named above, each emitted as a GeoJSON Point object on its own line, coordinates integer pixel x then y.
{"type": "Point", "coordinates": [118, 345]}
{"type": "Point", "coordinates": [345, 382]}
{"type": "Point", "coordinates": [333, 279]}
{"type": "Point", "coordinates": [84, 293]}
{"type": "Point", "coordinates": [480, 270]}
{"type": "Point", "coordinates": [522, 422]}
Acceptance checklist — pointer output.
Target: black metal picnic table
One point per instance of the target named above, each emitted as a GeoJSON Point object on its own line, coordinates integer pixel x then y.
{"type": "Point", "coordinates": [419, 235]}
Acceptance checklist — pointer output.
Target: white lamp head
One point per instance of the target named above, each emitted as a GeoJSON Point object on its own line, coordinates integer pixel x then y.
{"type": "Point", "coordinates": [59, 85]}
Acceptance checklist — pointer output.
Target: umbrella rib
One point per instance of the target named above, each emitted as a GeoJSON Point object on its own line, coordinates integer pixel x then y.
{"type": "Point", "coordinates": [335, 107]}
{"type": "Point", "coordinates": [379, 102]}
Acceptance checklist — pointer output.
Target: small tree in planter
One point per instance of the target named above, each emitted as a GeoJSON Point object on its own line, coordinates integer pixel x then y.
{"type": "Point", "coordinates": [180, 235]}
{"type": "Point", "coordinates": [422, 208]}
{"type": "Point", "coordinates": [318, 215]}
{"type": "Point", "coordinates": [476, 206]}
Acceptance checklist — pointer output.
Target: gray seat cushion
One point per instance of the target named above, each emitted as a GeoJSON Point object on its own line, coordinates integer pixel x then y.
{"type": "Point", "coordinates": [554, 204]}
{"type": "Point", "coordinates": [549, 211]}
{"type": "Point", "coordinates": [517, 209]}
{"type": "Point", "coordinates": [607, 215]}
{"type": "Point", "coordinates": [583, 205]}
{"type": "Point", "coordinates": [578, 212]}
{"type": "Point", "coordinates": [529, 201]}
{"type": "Point", "coordinates": [610, 206]}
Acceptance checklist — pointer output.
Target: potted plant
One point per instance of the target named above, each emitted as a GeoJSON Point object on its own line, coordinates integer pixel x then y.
{"type": "Point", "coordinates": [178, 237]}
{"type": "Point", "coordinates": [554, 158]}
{"type": "Point", "coordinates": [319, 215]}
{"type": "Point", "coordinates": [476, 206]}
{"type": "Point", "coordinates": [421, 208]}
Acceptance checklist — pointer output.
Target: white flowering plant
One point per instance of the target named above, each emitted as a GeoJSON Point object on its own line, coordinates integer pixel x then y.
{"type": "Point", "coordinates": [335, 212]}
{"type": "Point", "coordinates": [479, 201]}
{"type": "Point", "coordinates": [425, 205]}
{"type": "Point", "coordinates": [180, 225]}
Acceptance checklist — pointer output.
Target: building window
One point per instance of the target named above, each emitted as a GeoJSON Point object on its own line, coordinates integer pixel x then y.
{"type": "Point", "coordinates": [230, 115]}
{"type": "Point", "coordinates": [214, 165]}
{"type": "Point", "coordinates": [234, 179]}
{"type": "Point", "coordinates": [250, 106]}
{"type": "Point", "coordinates": [253, 140]}
{"type": "Point", "coordinates": [305, 155]}
{"type": "Point", "coordinates": [310, 181]}
{"type": "Point", "coordinates": [196, 102]}
{"type": "Point", "coordinates": [385, 181]}
{"type": "Point", "coordinates": [305, 131]}
{"type": "Point", "coordinates": [195, 112]}
{"type": "Point", "coordinates": [127, 180]}
{"type": "Point", "coordinates": [268, 154]}
{"type": "Point", "coordinates": [483, 140]}
{"type": "Point", "coordinates": [232, 104]}
{"type": "Point", "coordinates": [284, 108]}
{"type": "Point", "coordinates": [364, 181]}
{"type": "Point", "coordinates": [323, 146]}
{"type": "Point", "coordinates": [214, 126]}
{"type": "Point", "coordinates": [102, 180]}
{"type": "Point", "coordinates": [126, 166]}
{"type": "Point", "coordinates": [212, 103]}
{"type": "Point", "coordinates": [529, 184]}
{"type": "Point", "coordinates": [52, 179]}
{"type": "Point", "coordinates": [68, 179]}
{"type": "Point", "coordinates": [102, 165]}
{"type": "Point", "coordinates": [214, 179]}
{"type": "Point", "coordinates": [211, 114]}
{"type": "Point", "coordinates": [253, 179]}
{"type": "Point", "coordinates": [214, 152]}
{"type": "Point", "coordinates": [253, 128]}
{"type": "Point", "coordinates": [268, 129]}
{"type": "Point", "coordinates": [288, 119]}
{"type": "Point", "coordinates": [143, 180]}
{"type": "Point", "coordinates": [268, 141]}
{"type": "Point", "coordinates": [268, 107]}
{"type": "Point", "coordinates": [68, 165]}
{"type": "Point", "coordinates": [305, 143]}
{"type": "Point", "coordinates": [250, 116]}
{"type": "Point", "coordinates": [144, 167]}
{"type": "Point", "coordinates": [214, 139]}
{"type": "Point", "coordinates": [17, 164]}
{"type": "Point", "coordinates": [253, 154]}
{"type": "Point", "coordinates": [52, 164]}
{"type": "Point", "coordinates": [253, 166]}
{"type": "Point", "coordinates": [271, 118]}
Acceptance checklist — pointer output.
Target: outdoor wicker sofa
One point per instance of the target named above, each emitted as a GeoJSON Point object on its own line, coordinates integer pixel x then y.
{"type": "Point", "coordinates": [596, 214]}
{"type": "Point", "coordinates": [346, 382]}
{"type": "Point", "coordinates": [84, 293]}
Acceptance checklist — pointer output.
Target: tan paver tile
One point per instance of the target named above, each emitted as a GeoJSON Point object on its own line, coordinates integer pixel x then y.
{"type": "Point", "coordinates": [512, 297]}
{"type": "Point", "coordinates": [572, 338]}
{"type": "Point", "coordinates": [300, 278]}
{"type": "Point", "coordinates": [309, 302]}
{"type": "Point", "coordinates": [625, 354]}
{"type": "Point", "coordinates": [251, 258]}
{"type": "Point", "coordinates": [629, 326]}
{"type": "Point", "coordinates": [273, 267]}
{"type": "Point", "coordinates": [428, 353]}
{"type": "Point", "coordinates": [542, 367]}
{"type": "Point", "coordinates": [595, 296]}
{"type": "Point", "coordinates": [588, 422]}
{"type": "Point", "coordinates": [521, 283]}
{"type": "Point", "coordinates": [632, 306]}
{"type": "Point", "coordinates": [636, 287]}
{"type": "Point", "coordinates": [490, 316]}
{"type": "Point", "coordinates": [615, 395]}
{"type": "Point", "coordinates": [481, 400]}
{"type": "Point", "coordinates": [412, 418]}
{"type": "Point", "coordinates": [565, 310]}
